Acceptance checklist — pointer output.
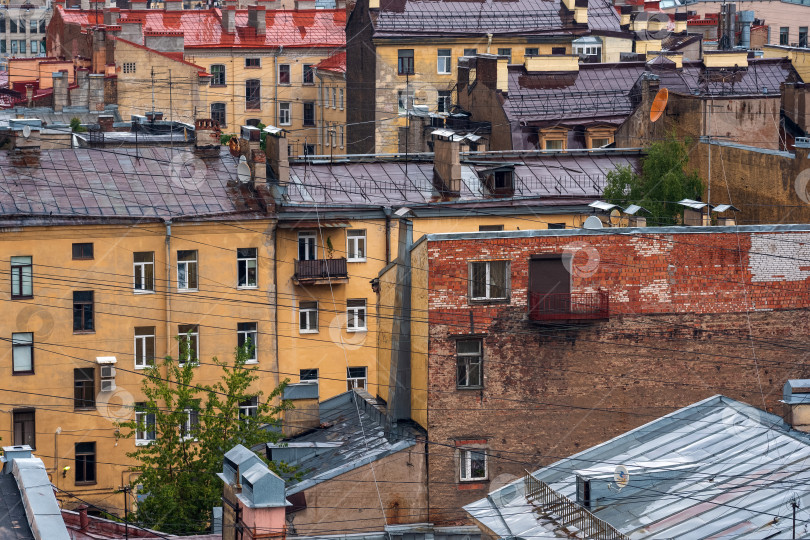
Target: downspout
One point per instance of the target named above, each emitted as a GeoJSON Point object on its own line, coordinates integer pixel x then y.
{"type": "Point", "coordinates": [387, 211]}
{"type": "Point", "coordinates": [168, 286]}
{"type": "Point", "coordinates": [489, 42]}
{"type": "Point", "coordinates": [279, 51]}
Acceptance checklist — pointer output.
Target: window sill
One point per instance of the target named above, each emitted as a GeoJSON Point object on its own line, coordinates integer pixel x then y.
{"type": "Point", "coordinates": [29, 297]}
{"type": "Point", "coordinates": [218, 86]}
{"type": "Point", "coordinates": [85, 483]}
{"type": "Point", "coordinates": [144, 442]}
{"type": "Point", "coordinates": [93, 408]}
{"type": "Point", "coordinates": [83, 332]}
{"type": "Point", "coordinates": [251, 362]}
{"type": "Point", "coordinates": [307, 331]}
{"type": "Point", "coordinates": [282, 124]}
{"type": "Point", "coordinates": [355, 260]}
{"type": "Point", "coordinates": [356, 330]}
{"type": "Point", "coordinates": [141, 368]}
{"type": "Point", "coordinates": [489, 300]}
{"type": "Point", "coordinates": [139, 291]}
{"type": "Point", "coordinates": [469, 387]}
{"type": "Point", "coordinates": [284, 84]}
{"type": "Point", "coordinates": [253, 67]}
{"type": "Point", "coordinates": [308, 84]}
{"type": "Point", "coordinates": [247, 287]}
{"type": "Point", "coordinates": [82, 258]}
{"type": "Point", "coordinates": [23, 372]}
{"type": "Point", "coordinates": [187, 290]}
{"type": "Point", "coordinates": [308, 125]}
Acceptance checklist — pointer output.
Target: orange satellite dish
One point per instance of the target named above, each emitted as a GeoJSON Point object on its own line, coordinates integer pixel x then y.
{"type": "Point", "coordinates": [659, 104]}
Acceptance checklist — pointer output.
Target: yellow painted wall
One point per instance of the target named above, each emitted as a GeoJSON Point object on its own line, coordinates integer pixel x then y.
{"type": "Point", "coordinates": [331, 113]}
{"type": "Point", "coordinates": [800, 58]}
{"type": "Point", "coordinates": [419, 334]}
{"type": "Point", "coordinates": [612, 48]}
{"type": "Point", "coordinates": [217, 308]}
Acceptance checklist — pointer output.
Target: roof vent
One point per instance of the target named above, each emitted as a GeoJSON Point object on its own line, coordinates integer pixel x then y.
{"type": "Point", "coordinates": [796, 397]}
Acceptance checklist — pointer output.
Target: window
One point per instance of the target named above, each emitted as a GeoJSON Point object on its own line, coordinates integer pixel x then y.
{"type": "Point", "coordinates": [356, 245]}
{"type": "Point", "coordinates": [82, 251]}
{"type": "Point", "coordinates": [12, 26]}
{"type": "Point", "coordinates": [84, 388]}
{"type": "Point", "coordinates": [473, 465]}
{"type": "Point", "coordinates": [802, 36]}
{"type": "Point", "coordinates": [218, 75]}
{"type": "Point", "coordinates": [145, 431]}
{"type": "Point", "coordinates": [253, 62]}
{"type": "Point", "coordinates": [3, 25]}
{"type": "Point", "coordinates": [22, 277]}
{"type": "Point", "coordinates": [246, 268]}
{"type": "Point", "coordinates": [247, 336]}
{"type": "Point", "coordinates": [218, 113]}
{"type": "Point", "coordinates": [444, 103]}
{"type": "Point", "coordinates": [340, 132]}
{"type": "Point", "coordinates": [2, 45]}
{"type": "Point", "coordinates": [85, 465]}
{"type": "Point", "coordinates": [405, 62]}
{"type": "Point", "coordinates": [556, 225]}
{"type": "Point", "coordinates": [600, 142]}
{"type": "Point", "coordinates": [191, 424]}
{"type": "Point", "coordinates": [309, 113]}
{"type": "Point", "coordinates": [83, 311]}
{"type": "Point", "coordinates": [249, 407]}
{"type": "Point", "coordinates": [128, 67]}
{"type": "Point", "coordinates": [22, 46]}
{"type": "Point", "coordinates": [306, 246]}
{"type": "Point", "coordinates": [42, 30]}
{"type": "Point", "coordinates": [507, 52]}
{"type": "Point", "coordinates": [490, 228]}
{"type": "Point", "coordinates": [445, 58]}
{"type": "Point", "coordinates": [309, 149]}
{"type": "Point", "coordinates": [340, 91]}
{"type": "Point", "coordinates": [468, 360]}
{"type": "Point", "coordinates": [784, 35]}
{"type": "Point", "coordinates": [187, 270]}
{"type": "Point", "coordinates": [24, 427]}
{"type": "Point", "coordinates": [189, 343]}
{"type": "Point", "coordinates": [309, 74]}
{"type": "Point", "coordinates": [35, 47]}
{"type": "Point", "coordinates": [554, 144]}
{"type": "Point", "coordinates": [13, 46]}
{"type": "Point", "coordinates": [404, 100]}
{"type": "Point", "coordinates": [34, 26]}
{"type": "Point", "coordinates": [308, 375]}
{"type": "Point", "coordinates": [356, 315]}
{"type": "Point", "coordinates": [22, 352]}
{"type": "Point", "coordinates": [284, 117]}
{"type": "Point", "coordinates": [253, 94]}
{"type": "Point", "coordinates": [558, 50]}
{"type": "Point", "coordinates": [356, 377]}
{"type": "Point", "coordinates": [284, 74]}
{"type": "Point", "coordinates": [470, 52]}
{"type": "Point", "coordinates": [308, 317]}
{"type": "Point", "coordinates": [531, 51]}
{"type": "Point", "coordinates": [144, 265]}
{"type": "Point", "coordinates": [489, 280]}
{"type": "Point", "coordinates": [144, 346]}
{"type": "Point", "coordinates": [334, 97]}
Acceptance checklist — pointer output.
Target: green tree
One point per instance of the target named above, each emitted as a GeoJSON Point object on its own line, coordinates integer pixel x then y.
{"type": "Point", "coordinates": [76, 125]}
{"type": "Point", "coordinates": [191, 427]}
{"type": "Point", "coordinates": [662, 182]}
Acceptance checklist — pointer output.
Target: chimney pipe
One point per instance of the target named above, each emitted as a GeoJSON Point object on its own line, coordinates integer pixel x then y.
{"type": "Point", "coordinates": [229, 19]}
{"type": "Point", "coordinates": [447, 160]}
{"type": "Point", "coordinates": [277, 152]}
{"type": "Point", "coordinates": [84, 520]}
{"type": "Point", "coordinates": [257, 19]}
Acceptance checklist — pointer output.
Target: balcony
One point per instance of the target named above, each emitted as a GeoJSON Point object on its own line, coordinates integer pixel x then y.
{"type": "Point", "coordinates": [321, 272]}
{"type": "Point", "coordinates": [568, 307]}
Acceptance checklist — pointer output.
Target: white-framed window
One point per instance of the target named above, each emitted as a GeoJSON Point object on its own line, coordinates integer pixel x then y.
{"type": "Point", "coordinates": [284, 74]}
{"type": "Point", "coordinates": [144, 346]}
{"type": "Point", "coordinates": [489, 280]}
{"type": "Point", "coordinates": [340, 132]}
{"type": "Point", "coordinates": [247, 268]}
{"type": "Point", "coordinates": [128, 67]}
{"type": "Point", "coordinates": [306, 246]}
{"type": "Point", "coordinates": [404, 100]}
{"type": "Point", "coordinates": [144, 271]}
{"type": "Point", "coordinates": [22, 352]}
{"type": "Point", "coordinates": [190, 424]}
{"type": "Point", "coordinates": [469, 356]}
{"type": "Point", "coordinates": [189, 343]}
{"type": "Point", "coordinates": [249, 407]}
{"type": "Point", "coordinates": [187, 278]}
{"type": "Point", "coordinates": [340, 91]}
{"type": "Point", "coordinates": [308, 317]}
{"type": "Point", "coordinates": [328, 98]}
{"type": "Point", "coordinates": [356, 245]}
{"type": "Point", "coordinates": [445, 101]}
{"type": "Point", "coordinates": [444, 61]}
{"type": "Point", "coordinates": [356, 315]}
{"type": "Point", "coordinates": [334, 97]}
{"type": "Point", "coordinates": [308, 375]}
{"type": "Point", "coordinates": [145, 431]}
{"type": "Point", "coordinates": [284, 117]}
{"type": "Point", "coordinates": [472, 464]}
{"type": "Point", "coordinates": [356, 377]}
{"type": "Point", "coordinates": [247, 333]}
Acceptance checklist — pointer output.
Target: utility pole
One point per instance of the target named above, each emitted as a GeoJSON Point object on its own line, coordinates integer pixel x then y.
{"type": "Point", "coordinates": [153, 91]}
{"type": "Point", "coordinates": [126, 490]}
{"type": "Point", "coordinates": [794, 504]}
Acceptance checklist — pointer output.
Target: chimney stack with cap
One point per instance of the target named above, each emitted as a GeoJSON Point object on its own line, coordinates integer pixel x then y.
{"type": "Point", "coordinates": [229, 19]}
{"type": "Point", "coordinates": [447, 160]}
{"type": "Point", "coordinates": [257, 19]}
{"type": "Point", "coordinates": [681, 22]}
{"type": "Point", "coordinates": [206, 134]}
{"type": "Point", "coordinates": [796, 399]}
{"type": "Point", "coordinates": [277, 152]}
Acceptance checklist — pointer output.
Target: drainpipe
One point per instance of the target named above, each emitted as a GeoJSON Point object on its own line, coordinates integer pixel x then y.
{"type": "Point", "coordinates": [489, 42]}
{"type": "Point", "coordinates": [279, 51]}
{"type": "Point", "coordinates": [56, 455]}
{"type": "Point", "coordinates": [387, 211]}
{"type": "Point", "coordinates": [168, 287]}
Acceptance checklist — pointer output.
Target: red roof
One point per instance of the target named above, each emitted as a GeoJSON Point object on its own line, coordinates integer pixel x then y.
{"type": "Point", "coordinates": [336, 63]}
{"type": "Point", "coordinates": [203, 28]}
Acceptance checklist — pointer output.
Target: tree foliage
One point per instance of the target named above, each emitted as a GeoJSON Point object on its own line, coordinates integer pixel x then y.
{"type": "Point", "coordinates": [194, 425]}
{"type": "Point", "coordinates": [662, 182]}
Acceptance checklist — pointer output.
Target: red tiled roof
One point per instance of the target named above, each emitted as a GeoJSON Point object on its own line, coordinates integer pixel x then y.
{"type": "Point", "coordinates": [336, 63]}
{"type": "Point", "coordinates": [203, 28]}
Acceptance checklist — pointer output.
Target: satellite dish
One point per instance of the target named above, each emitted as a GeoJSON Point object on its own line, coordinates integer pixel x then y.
{"type": "Point", "coordinates": [26, 131]}
{"type": "Point", "coordinates": [659, 104]}
{"type": "Point", "coordinates": [615, 217]}
{"type": "Point", "coordinates": [592, 222]}
{"type": "Point", "coordinates": [620, 476]}
{"type": "Point", "coordinates": [243, 172]}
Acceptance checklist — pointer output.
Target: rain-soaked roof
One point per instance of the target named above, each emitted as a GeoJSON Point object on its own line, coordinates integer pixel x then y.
{"type": "Point", "coordinates": [716, 469]}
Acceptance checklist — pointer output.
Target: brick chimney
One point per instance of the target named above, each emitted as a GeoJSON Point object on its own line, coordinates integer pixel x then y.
{"type": "Point", "coordinates": [206, 134]}
{"type": "Point", "coordinates": [276, 149]}
{"type": "Point", "coordinates": [84, 520]}
{"type": "Point", "coordinates": [796, 400]}
{"type": "Point", "coordinates": [626, 16]}
{"type": "Point", "coordinates": [105, 122]}
{"type": "Point", "coordinates": [680, 22]}
{"type": "Point", "coordinates": [29, 95]}
{"type": "Point", "coordinates": [447, 160]}
{"type": "Point", "coordinates": [132, 29]}
{"type": "Point", "coordinates": [229, 19]}
{"type": "Point", "coordinates": [96, 93]}
{"type": "Point", "coordinates": [111, 15]}
{"type": "Point", "coordinates": [257, 19]}
{"type": "Point", "coordinates": [492, 71]}
{"type": "Point", "coordinates": [60, 90]}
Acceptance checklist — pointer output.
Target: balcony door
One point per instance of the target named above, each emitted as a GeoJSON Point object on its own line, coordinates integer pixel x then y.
{"type": "Point", "coordinates": [306, 246]}
{"type": "Point", "coordinates": [548, 275]}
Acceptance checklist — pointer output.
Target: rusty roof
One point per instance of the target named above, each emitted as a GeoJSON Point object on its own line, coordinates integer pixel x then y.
{"type": "Point", "coordinates": [122, 185]}
{"type": "Point", "coordinates": [335, 63]}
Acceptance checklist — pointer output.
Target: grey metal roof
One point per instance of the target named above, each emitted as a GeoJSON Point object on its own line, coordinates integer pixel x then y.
{"type": "Point", "coordinates": [353, 434]}
{"type": "Point", "coordinates": [725, 469]}
{"type": "Point", "coordinates": [13, 523]}
{"type": "Point", "coordinates": [762, 77]}
{"type": "Point", "coordinates": [53, 186]}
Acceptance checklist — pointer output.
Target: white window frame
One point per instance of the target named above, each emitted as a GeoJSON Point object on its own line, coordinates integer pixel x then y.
{"type": "Point", "coordinates": [340, 92]}
{"type": "Point", "coordinates": [243, 335]}
{"type": "Point", "coordinates": [241, 260]}
{"type": "Point", "coordinates": [195, 264]}
{"type": "Point", "coordinates": [488, 278]}
{"type": "Point", "coordinates": [334, 97]}
{"type": "Point", "coordinates": [251, 409]}
{"type": "Point", "coordinates": [465, 464]}
{"type": "Point", "coordinates": [408, 96]}
{"type": "Point", "coordinates": [444, 63]}
{"type": "Point", "coordinates": [139, 273]}
{"type": "Point", "coordinates": [356, 243]}
{"type": "Point", "coordinates": [142, 436]}
{"type": "Point", "coordinates": [351, 382]}
{"type": "Point", "coordinates": [309, 328]}
{"type": "Point", "coordinates": [313, 245]}
{"type": "Point", "coordinates": [187, 424]}
{"type": "Point", "coordinates": [141, 363]}
{"type": "Point", "coordinates": [22, 343]}
{"type": "Point", "coordinates": [192, 334]}
{"type": "Point", "coordinates": [356, 313]}
{"type": "Point", "coordinates": [284, 113]}
{"type": "Point", "coordinates": [466, 356]}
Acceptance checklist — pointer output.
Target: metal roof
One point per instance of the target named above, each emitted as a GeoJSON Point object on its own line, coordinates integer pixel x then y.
{"type": "Point", "coordinates": [13, 522]}
{"type": "Point", "coordinates": [730, 471]}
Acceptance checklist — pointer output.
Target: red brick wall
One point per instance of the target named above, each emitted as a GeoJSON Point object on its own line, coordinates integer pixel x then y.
{"type": "Point", "coordinates": [678, 332]}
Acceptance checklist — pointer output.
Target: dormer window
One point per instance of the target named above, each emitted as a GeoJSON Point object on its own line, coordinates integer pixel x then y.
{"type": "Point", "coordinates": [499, 182]}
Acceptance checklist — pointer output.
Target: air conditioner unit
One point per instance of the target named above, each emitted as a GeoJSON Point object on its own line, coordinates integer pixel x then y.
{"type": "Point", "coordinates": [107, 372]}
{"type": "Point", "coordinates": [108, 385]}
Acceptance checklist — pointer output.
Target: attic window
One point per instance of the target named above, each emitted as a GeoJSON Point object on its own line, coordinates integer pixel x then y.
{"type": "Point", "coordinates": [499, 182]}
